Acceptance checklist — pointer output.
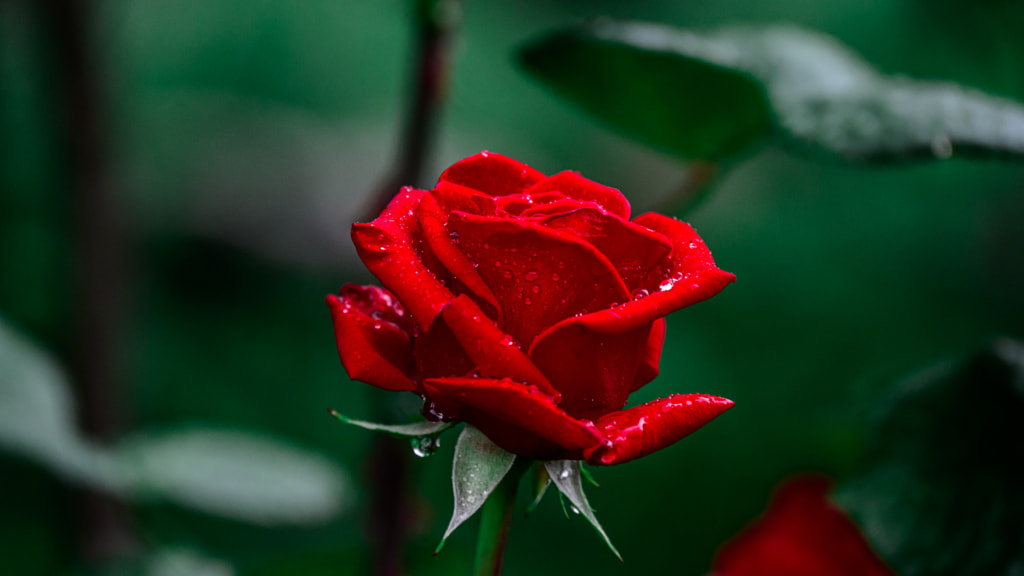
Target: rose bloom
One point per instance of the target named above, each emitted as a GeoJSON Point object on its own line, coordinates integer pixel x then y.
{"type": "Point", "coordinates": [528, 306]}
{"type": "Point", "coordinates": [801, 534]}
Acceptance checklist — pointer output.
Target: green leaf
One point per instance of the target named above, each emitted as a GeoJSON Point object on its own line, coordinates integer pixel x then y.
{"type": "Point", "coordinates": [413, 430]}
{"type": "Point", "coordinates": [943, 494]}
{"type": "Point", "coordinates": [478, 467]}
{"type": "Point", "coordinates": [37, 416]}
{"type": "Point", "coordinates": [823, 97]}
{"type": "Point", "coordinates": [567, 477]}
{"type": "Point", "coordinates": [235, 475]}
{"type": "Point", "coordinates": [685, 106]}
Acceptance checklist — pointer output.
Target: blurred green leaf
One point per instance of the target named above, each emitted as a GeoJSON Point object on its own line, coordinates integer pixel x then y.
{"type": "Point", "coordinates": [478, 467]}
{"type": "Point", "coordinates": [687, 106]}
{"type": "Point", "coordinates": [235, 475]}
{"type": "Point", "coordinates": [567, 477]}
{"type": "Point", "coordinates": [37, 415]}
{"type": "Point", "coordinates": [822, 96]}
{"type": "Point", "coordinates": [944, 493]}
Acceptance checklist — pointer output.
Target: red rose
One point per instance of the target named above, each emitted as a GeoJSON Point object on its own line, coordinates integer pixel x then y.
{"type": "Point", "coordinates": [801, 534]}
{"type": "Point", "coordinates": [528, 306]}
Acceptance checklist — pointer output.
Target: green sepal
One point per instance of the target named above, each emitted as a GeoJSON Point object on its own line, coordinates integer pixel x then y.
{"type": "Point", "coordinates": [411, 430]}
{"type": "Point", "coordinates": [567, 476]}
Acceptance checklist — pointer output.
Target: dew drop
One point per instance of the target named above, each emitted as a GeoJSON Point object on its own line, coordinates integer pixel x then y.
{"type": "Point", "coordinates": [527, 301]}
{"type": "Point", "coordinates": [574, 509]}
{"type": "Point", "coordinates": [561, 265]}
{"type": "Point", "coordinates": [454, 235]}
{"type": "Point", "coordinates": [563, 475]}
{"type": "Point", "coordinates": [425, 446]}
{"type": "Point", "coordinates": [640, 294]}
{"type": "Point", "coordinates": [507, 274]}
{"type": "Point", "coordinates": [535, 289]}
{"type": "Point", "coordinates": [531, 275]}
{"type": "Point", "coordinates": [554, 276]}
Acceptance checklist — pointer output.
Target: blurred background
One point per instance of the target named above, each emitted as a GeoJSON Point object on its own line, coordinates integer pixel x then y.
{"type": "Point", "coordinates": [177, 182]}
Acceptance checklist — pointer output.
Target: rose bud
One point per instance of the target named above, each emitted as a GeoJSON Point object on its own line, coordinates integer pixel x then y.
{"type": "Point", "coordinates": [530, 307]}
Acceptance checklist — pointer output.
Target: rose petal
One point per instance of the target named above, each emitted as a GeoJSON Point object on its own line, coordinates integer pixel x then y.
{"type": "Point", "coordinates": [647, 428]}
{"type": "Point", "coordinates": [464, 278]}
{"type": "Point", "coordinates": [517, 417]}
{"type": "Point", "coordinates": [594, 372]}
{"type": "Point", "coordinates": [370, 327]}
{"type": "Point", "coordinates": [539, 276]}
{"type": "Point", "coordinates": [439, 353]}
{"type": "Point", "coordinates": [633, 249]}
{"type": "Point", "coordinates": [494, 353]}
{"type": "Point", "coordinates": [492, 174]}
{"type": "Point", "coordinates": [801, 534]}
{"type": "Point", "coordinates": [516, 204]}
{"type": "Point", "coordinates": [686, 277]}
{"type": "Point", "coordinates": [648, 369]}
{"type": "Point", "coordinates": [573, 185]}
{"type": "Point", "coordinates": [389, 246]}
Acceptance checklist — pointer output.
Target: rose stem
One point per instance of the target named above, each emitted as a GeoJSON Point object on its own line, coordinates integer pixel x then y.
{"type": "Point", "coordinates": [98, 246]}
{"type": "Point", "coordinates": [691, 191]}
{"type": "Point", "coordinates": [496, 516]}
{"type": "Point", "coordinates": [436, 23]}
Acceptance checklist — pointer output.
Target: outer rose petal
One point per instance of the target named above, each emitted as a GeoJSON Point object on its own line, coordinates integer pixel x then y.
{"type": "Point", "coordinates": [517, 417]}
{"type": "Point", "coordinates": [801, 534]}
{"type": "Point", "coordinates": [573, 185]}
{"type": "Point", "coordinates": [650, 427]}
{"type": "Point", "coordinates": [648, 369]}
{"type": "Point", "coordinates": [686, 277]}
{"type": "Point", "coordinates": [373, 344]}
{"type": "Point", "coordinates": [594, 372]}
{"type": "Point", "coordinates": [389, 248]}
{"type": "Point", "coordinates": [540, 276]}
{"type": "Point", "coordinates": [516, 204]}
{"type": "Point", "coordinates": [492, 174]}
{"type": "Point", "coordinates": [432, 218]}
{"type": "Point", "coordinates": [493, 353]}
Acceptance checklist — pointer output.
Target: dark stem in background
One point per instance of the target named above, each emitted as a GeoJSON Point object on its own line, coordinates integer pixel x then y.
{"type": "Point", "coordinates": [97, 242]}
{"type": "Point", "coordinates": [436, 23]}
{"type": "Point", "coordinates": [390, 517]}
{"type": "Point", "coordinates": [691, 191]}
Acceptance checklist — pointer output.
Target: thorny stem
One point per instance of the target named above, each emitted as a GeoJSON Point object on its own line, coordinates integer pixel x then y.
{"type": "Point", "coordinates": [98, 245]}
{"type": "Point", "coordinates": [496, 516]}
{"type": "Point", "coordinates": [436, 23]}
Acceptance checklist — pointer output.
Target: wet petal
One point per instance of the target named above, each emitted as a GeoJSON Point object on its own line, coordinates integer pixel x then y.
{"type": "Point", "coordinates": [573, 185]}
{"type": "Point", "coordinates": [374, 343]}
{"type": "Point", "coordinates": [433, 214]}
{"type": "Point", "coordinates": [647, 428]}
{"type": "Point", "coordinates": [595, 372]}
{"type": "Point", "coordinates": [516, 204]}
{"type": "Point", "coordinates": [648, 369]}
{"type": "Point", "coordinates": [539, 276]}
{"type": "Point", "coordinates": [494, 353]}
{"type": "Point", "coordinates": [517, 417]}
{"type": "Point", "coordinates": [633, 249]}
{"type": "Point", "coordinates": [492, 174]}
{"type": "Point", "coordinates": [390, 248]}
{"type": "Point", "coordinates": [801, 534]}
{"type": "Point", "coordinates": [686, 277]}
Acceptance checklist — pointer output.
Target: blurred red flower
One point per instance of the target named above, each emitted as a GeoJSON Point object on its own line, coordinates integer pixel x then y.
{"type": "Point", "coordinates": [801, 534]}
{"type": "Point", "coordinates": [528, 306]}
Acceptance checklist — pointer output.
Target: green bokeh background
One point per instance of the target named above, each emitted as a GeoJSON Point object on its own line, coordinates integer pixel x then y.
{"type": "Point", "coordinates": [245, 136]}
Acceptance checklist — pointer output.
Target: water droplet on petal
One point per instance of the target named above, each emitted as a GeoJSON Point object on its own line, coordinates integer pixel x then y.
{"type": "Point", "coordinates": [535, 289]}
{"type": "Point", "coordinates": [527, 301]}
{"type": "Point", "coordinates": [531, 275]}
{"type": "Point", "coordinates": [507, 273]}
{"type": "Point", "coordinates": [640, 294]}
{"type": "Point", "coordinates": [554, 276]}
